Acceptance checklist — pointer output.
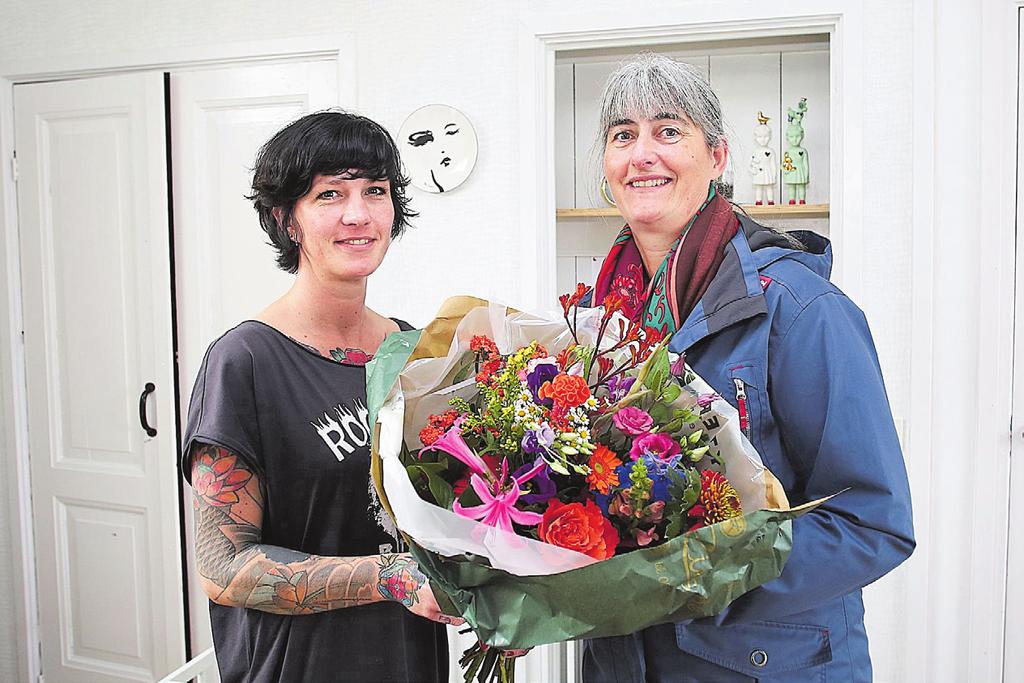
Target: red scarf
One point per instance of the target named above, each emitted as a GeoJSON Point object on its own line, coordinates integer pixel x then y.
{"type": "Point", "coordinates": [690, 266]}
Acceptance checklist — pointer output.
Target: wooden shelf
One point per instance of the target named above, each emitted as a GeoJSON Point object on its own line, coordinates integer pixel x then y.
{"type": "Point", "coordinates": [776, 211]}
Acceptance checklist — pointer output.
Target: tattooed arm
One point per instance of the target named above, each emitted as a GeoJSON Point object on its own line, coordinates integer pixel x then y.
{"type": "Point", "coordinates": [237, 570]}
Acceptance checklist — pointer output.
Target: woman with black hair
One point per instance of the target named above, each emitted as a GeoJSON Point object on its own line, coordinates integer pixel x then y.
{"type": "Point", "coordinates": [288, 531]}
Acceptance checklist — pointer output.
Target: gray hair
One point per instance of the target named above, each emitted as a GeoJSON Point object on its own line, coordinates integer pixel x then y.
{"type": "Point", "coordinates": [651, 84]}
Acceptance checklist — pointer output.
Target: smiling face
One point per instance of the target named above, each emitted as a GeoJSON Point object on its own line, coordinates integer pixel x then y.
{"type": "Point", "coordinates": [659, 170]}
{"type": "Point", "coordinates": [343, 226]}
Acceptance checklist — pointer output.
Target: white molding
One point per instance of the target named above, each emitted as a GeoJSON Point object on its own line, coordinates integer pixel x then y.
{"type": "Point", "coordinates": [163, 59]}
{"type": "Point", "coordinates": [996, 226]}
{"type": "Point", "coordinates": [13, 396]}
{"type": "Point", "coordinates": [1007, 20]}
{"type": "Point", "coordinates": [918, 452]}
{"type": "Point", "coordinates": [542, 34]}
{"type": "Point", "coordinates": [13, 407]}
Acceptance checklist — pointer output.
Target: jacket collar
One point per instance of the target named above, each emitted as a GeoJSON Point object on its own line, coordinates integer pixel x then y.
{"type": "Point", "coordinates": [735, 293]}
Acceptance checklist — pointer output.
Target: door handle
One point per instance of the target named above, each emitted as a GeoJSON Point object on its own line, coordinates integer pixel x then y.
{"type": "Point", "coordinates": [146, 391]}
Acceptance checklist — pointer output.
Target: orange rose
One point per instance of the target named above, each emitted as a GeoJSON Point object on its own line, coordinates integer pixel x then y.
{"type": "Point", "coordinates": [579, 527]}
{"type": "Point", "coordinates": [569, 390]}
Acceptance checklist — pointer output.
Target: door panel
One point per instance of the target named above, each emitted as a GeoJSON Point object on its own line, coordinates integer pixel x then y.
{"type": "Point", "coordinates": [225, 271]}
{"type": "Point", "coordinates": [96, 288]}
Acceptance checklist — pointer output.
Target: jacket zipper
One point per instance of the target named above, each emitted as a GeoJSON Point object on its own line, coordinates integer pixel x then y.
{"type": "Point", "coordinates": [741, 406]}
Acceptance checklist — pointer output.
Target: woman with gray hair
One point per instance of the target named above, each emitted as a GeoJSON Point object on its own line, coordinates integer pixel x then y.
{"type": "Point", "coordinates": [754, 313]}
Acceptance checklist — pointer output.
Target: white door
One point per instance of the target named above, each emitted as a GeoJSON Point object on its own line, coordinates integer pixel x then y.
{"type": "Point", "coordinates": [225, 270]}
{"type": "Point", "coordinates": [1013, 654]}
{"type": "Point", "coordinates": [92, 200]}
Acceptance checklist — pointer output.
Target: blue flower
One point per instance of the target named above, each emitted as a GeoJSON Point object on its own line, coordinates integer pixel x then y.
{"type": "Point", "coordinates": [657, 470]}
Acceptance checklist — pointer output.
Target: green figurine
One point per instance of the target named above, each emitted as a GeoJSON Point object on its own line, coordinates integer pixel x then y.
{"type": "Point", "coordinates": [796, 167]}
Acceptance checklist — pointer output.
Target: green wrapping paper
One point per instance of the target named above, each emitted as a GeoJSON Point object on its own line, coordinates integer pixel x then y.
{"type": "Point", "coordinates": [622, 594]}
{"type": "Point", "coordinates": [694, 575]}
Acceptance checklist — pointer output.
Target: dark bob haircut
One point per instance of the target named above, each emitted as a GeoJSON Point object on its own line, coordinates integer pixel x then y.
{"type": "Point", "coordinates": [327, 143]}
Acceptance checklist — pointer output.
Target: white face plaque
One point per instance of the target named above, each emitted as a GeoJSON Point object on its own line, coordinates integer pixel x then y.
{"type": "Point", "coordinates": [438, 146]}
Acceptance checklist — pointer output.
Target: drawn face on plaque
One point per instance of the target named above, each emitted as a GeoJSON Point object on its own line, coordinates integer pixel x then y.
{"type": "Point", "coordinates": [438, 146]}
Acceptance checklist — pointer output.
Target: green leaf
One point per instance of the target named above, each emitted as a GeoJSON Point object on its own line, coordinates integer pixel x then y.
{"type": "Point", "coordinates": [673, 426]}
{"type": "Point", "coordinates": [660, 413]}
{"type": "Point", "coordinates": [557, 466]}
{"type": "Point", "coordinates": [685, 414]}
{"type": "Point", "coordinates": [658, 370]}
{"type": "Point", "coordinates": [439, 488]}
{"type": "Point", "coordinates": [671, 393]}
{"type": "Point", "coordinates": [692, 492]}
{"type": "Point", "coordinates": [675, 525]}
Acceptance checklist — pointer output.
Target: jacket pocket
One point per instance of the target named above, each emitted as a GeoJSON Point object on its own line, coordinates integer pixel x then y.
{"type": "Point", "coordinates": [766, 650]}
{"type": "Point", "coordinates": [746, 394]}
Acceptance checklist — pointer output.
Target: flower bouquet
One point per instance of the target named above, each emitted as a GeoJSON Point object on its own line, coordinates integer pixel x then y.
{"type": "Point", "coordinates": [529, 462]}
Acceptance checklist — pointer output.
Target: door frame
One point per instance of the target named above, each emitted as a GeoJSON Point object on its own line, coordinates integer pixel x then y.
{"type": "Point", "coordinates": [13, 397]}
{"type": "Point", "coordinates": [1012, 264]}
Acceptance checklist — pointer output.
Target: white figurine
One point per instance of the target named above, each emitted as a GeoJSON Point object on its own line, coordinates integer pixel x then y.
{"type": "Point", "coordinates": [764, 169]}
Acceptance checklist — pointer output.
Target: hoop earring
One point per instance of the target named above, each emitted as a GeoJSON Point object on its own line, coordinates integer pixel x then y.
{"type": "Point", "coordinates": [606, 192]}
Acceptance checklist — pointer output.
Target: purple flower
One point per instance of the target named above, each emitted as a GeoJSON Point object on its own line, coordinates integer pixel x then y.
{"type": "Point", "coordinates": [618, 387]}
{"type": "Point", "coordinates": [678, 368]}
{"type": "Point", "coordinates": [660, 446]}
{"type": "Point", "coordinates": [538, 440]}
{"type": "Point", "coordinates": [543, 486]}
{"type": "Point", "coordinates": [543, 371]}
{"type": "Point", "coordinates": [633, 421]}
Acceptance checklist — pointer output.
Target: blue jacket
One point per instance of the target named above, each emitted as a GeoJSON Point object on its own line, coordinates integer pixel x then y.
{"type": "Point", "coordinates": [771, 331]}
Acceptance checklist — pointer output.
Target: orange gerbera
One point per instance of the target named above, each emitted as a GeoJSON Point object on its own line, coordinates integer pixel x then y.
{"type": "Point", "coordinates": [603, 464]}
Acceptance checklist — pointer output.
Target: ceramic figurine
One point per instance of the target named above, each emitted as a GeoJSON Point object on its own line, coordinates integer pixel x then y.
{"type": "Point", "coordinates": [764, 169]}
{"type": "Point", "coordinates": [796, 168]}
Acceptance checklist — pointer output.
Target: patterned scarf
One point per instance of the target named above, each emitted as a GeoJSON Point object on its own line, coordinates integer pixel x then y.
{"type": "Point", "coordinates": [689, 269]}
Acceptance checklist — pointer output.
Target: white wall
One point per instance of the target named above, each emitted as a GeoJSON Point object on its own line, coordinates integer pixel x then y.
{"type": "Point", "coordinates": [464, 53]}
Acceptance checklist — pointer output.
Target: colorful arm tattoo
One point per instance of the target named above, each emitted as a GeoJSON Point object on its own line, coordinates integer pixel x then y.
{"type": "Point", "coordinates": [237, 570]}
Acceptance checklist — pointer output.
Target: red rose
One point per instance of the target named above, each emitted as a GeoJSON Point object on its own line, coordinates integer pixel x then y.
{"type": "Point", "coordinates": [579, 527]}
{"type": "Point", "coordinates": [569, 390]}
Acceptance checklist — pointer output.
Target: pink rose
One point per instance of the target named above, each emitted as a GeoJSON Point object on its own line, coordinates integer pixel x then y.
{"type": "Point", "coordinates": [633, 421]}
{"type": "Point", "coordinates": [660, 446]}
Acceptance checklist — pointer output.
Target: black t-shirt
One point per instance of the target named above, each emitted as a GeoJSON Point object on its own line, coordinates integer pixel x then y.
{"type": "Point", "coordinates": [299, 420]}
